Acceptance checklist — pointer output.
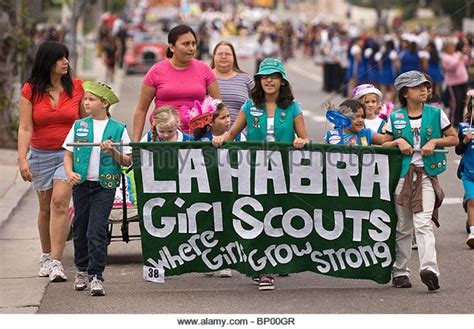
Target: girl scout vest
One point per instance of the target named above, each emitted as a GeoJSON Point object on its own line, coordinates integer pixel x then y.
{"type": "Point", "coordinates": [257, 123]}
{"type": "Point", "coordinates": [109, 169]}
{"type": "Point", "coordinates": [434, 164]}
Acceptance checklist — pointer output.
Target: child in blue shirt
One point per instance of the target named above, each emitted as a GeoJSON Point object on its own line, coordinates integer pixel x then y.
{"type": "Point", "coordinates": [204, 127]}
{"type": "Point", "coordinates": [466, 167]}
{"type": "Point", "coordinates": [213, 123]}
{"type": "Point", "coordinates": [357, 134]}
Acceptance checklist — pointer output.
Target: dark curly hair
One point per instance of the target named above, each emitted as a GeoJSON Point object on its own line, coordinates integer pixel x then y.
{"type": "Point", "coordinates": [285, 96]}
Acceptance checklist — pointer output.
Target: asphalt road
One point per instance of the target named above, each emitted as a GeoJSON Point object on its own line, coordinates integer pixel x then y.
{"type": "Point", "coordinates": [304, 293]}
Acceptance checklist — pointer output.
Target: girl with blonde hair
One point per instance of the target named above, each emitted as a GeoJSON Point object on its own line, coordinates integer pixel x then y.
{"type": "Point", "coordinates": [166, 127]}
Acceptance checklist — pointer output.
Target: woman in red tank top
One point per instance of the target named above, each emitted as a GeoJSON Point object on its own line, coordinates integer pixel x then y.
{"type": "Point", "coordinates": [50, 102]}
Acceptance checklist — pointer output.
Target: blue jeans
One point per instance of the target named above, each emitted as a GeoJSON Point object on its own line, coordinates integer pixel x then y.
{"type": "Point", "coordinates": [92, 206]}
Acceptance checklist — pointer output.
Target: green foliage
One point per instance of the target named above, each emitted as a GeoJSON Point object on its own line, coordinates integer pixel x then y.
{"type": "Point", "coordinates": [16, 51]}
{"type": "Point", "coordinates": [455, 9]}
{"type": "Point", "coordinates": [23, 35]}
{"type": "Point", "coordinates": [116, 6]}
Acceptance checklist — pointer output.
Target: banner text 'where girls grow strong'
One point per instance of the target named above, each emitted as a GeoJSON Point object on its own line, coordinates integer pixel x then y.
{"type": "Point", "coordinates": [266, 208]}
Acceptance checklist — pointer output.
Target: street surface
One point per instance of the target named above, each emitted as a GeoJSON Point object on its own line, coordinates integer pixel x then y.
{"type": "Point", "coordinates": [305, 293]}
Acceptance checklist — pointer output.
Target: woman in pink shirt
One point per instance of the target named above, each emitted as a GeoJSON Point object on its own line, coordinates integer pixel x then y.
{"type": "Point", "coordinates": [456, 78]}
{"type": "Point", "coordinates": [179, 80]}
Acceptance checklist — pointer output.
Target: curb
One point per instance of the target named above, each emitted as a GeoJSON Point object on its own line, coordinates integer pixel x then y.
{"type": "Point", "coordinates": [12, 197]}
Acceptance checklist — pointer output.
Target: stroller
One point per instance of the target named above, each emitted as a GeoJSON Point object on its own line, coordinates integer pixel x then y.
{"type": "Point", "coordinates": [124, 210]}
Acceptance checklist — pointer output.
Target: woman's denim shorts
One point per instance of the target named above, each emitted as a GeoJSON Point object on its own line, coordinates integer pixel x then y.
{"type": "Point", "coordinates": [45, 167]}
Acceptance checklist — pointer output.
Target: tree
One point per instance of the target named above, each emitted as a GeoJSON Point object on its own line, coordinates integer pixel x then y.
{"type": "Point", "coordinates": [15, 32]}
{"type": "Point", "coordinates": [378, 5]}
{"type": "Point", "coordinates": [77, 9]}
{"type": "Point", "coordinates": [456, 9]}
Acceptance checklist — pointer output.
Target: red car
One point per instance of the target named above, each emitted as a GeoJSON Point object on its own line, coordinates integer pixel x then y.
{"type": "Point", "coordinates": [145, 50]}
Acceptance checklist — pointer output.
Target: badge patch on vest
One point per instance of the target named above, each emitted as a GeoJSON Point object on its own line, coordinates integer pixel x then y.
{"type": "Point", "coordinates": [363, 141]}
{"type": "Point", "coordinates": [334, 139]}
{"type": "Point", "coordinates": [256, 123]}
{"type": "Point", "coordinates": [429, 132]}
{"type": "Point", "coordinates": [399, 124]}
{"type": "Point", "coordinates": [81, 140]}
{"type": "Point", "coordinates": [82, 132]}
{"type": "Point", "coordinates": [256, 112]}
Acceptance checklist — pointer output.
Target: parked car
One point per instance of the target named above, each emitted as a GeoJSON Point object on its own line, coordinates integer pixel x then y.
{"type": "Point", "coordinates": [144, 50]}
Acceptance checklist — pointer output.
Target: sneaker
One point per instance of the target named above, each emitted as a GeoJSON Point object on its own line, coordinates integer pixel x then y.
{"type": "Point", "coordinates": [256, 280]}
{"type": "Point", "coordinates": [225, 273]}
{"type": "Point", "coordinates": [430, 279]}
{"type": "Point", "coordinates": [57, 272]}
{"type": "Point", "coordinates": [80, 282]}
{"type": "Point", "coordinates": [470, 240]}
{"type": "Point", "coordinates": [402, 281]}
{"type": "Point", "coordinates": [45, 265]}
{"type": "Point", "coordinates": [266, 282]}
{"type": "Point", "coordinates": [96, 287]}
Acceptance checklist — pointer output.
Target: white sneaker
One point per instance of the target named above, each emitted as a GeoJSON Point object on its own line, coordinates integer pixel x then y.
{"type": "Point", "coordinates": [80, 282]}
{"type": "Point", "coordinates": [225, 273]}
{"type": "Point", "coordinates": [45, 265]}
{"type": "Point", "coordinates": [57, 272]}
{"type": "Point", "coordinates": [96, 287]}
{"type": "Point", "coordinates": [470, 240]}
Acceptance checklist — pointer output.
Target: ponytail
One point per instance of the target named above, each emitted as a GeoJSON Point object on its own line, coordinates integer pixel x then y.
{"type": "Point", "coordinates": [169, 53]}
{"type": "Point", "coordinates": [154, 133]}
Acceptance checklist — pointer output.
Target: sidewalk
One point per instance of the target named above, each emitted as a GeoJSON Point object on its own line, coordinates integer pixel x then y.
{"type": "Point", "coordinates": [12, 186]}
{"type": "Point", "coordinates": [20, 291]}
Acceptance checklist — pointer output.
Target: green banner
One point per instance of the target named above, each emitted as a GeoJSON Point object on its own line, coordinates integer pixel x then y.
{"type": "Point", "coordinates": [266, 208]}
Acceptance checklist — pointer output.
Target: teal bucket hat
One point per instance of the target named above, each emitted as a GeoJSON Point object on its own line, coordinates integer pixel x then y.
{"type": "Point", "coordinates": [269, 66]}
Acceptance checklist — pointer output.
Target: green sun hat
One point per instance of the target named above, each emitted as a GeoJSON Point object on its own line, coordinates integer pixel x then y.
{"type": "Point", "coordinates": [269, 66]}
{"type": "Point", "coordinates": [101, 90]}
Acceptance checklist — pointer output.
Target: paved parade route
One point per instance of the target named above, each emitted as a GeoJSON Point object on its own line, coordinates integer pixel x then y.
{"type": "Point", "coordinates": [304, 293]}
